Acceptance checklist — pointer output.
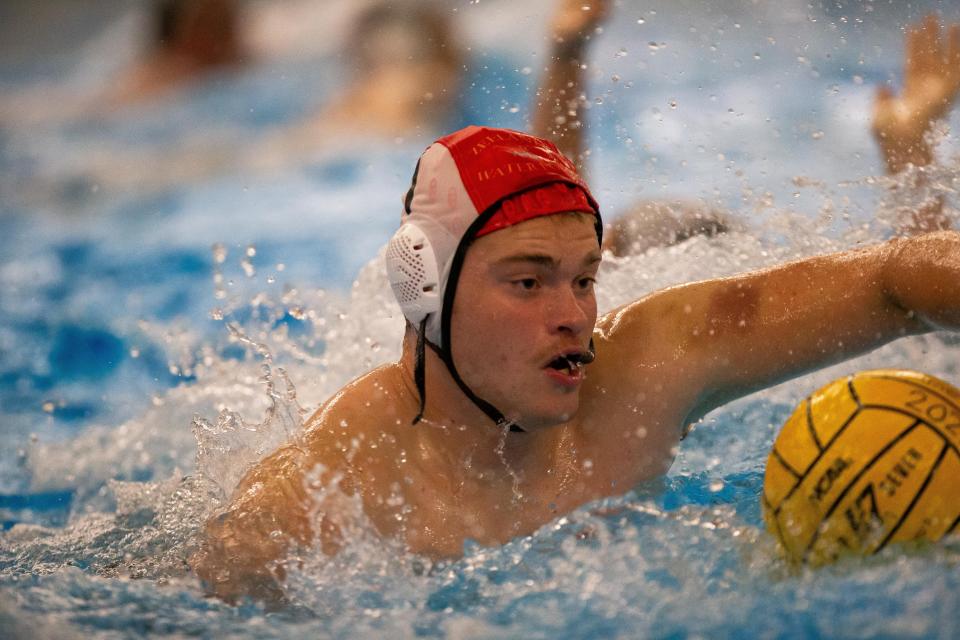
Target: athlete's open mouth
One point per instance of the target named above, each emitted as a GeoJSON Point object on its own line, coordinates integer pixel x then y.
{"type": "Point", "coordinates": [571, 363]}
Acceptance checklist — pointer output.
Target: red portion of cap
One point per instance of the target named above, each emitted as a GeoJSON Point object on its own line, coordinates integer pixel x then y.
{"type": "Point", "coordinates": [495, 164]}
{"type": "Point", "coordinates": [549, 199]}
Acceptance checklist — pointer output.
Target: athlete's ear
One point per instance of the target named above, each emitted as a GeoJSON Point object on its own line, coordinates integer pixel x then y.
{"type": "Point", "coordinates": [413, 272]}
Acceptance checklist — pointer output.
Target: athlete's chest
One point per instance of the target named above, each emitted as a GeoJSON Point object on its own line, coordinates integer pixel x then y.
{"type": "Point", "coordinates": [441, 520]}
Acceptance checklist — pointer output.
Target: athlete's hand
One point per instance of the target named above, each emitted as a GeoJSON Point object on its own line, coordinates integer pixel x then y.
{"type": "Point", "coordinates": [575, 20]}
{"type": "Point", "coordinates": [930, 84]}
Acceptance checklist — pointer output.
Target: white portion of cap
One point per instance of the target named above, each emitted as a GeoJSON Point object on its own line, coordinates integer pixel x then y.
{"type": "Point", "coordinates": [442, 211]}
{"type": "Point", "coordinates": [413, 274]}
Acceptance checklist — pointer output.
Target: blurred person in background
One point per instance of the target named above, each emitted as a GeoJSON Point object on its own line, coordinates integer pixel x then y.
{"type": "Point", "coordinates": [407, 66]}
{"type": "Point", "coordinates": [150, 50]}
{"type": "Point", "coordinates": [191, 39]}
{"type": "Point", "coordinates": [405, 78]}
{"type": "Point", "coordinates": [559, 114]}
{"type": "Point", "coordinates": [901, 126]}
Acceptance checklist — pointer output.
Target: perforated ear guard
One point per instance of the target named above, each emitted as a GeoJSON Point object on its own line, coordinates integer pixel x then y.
{"type": "Point", "coordinates": [413, 272]}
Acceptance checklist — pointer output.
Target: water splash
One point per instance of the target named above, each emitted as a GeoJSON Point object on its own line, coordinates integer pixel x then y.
{"type": "Point", "coordinates": [227, 448]}
{"type": "Point", "coordinates": [624, 566]}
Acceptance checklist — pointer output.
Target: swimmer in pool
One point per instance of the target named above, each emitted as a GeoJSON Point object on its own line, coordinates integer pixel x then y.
{"type": "Point", "coordinates": [191, 39]}
{"type": "Point", "coordinates": [513, 402]}
{"type": "Point", "coordinates": [407, 66]}
{"type": "Point", "coordinates": [901, 125]}
{"type": "Point", "coordinates": [408, 71]}
{"type": "Point", "coordinates": [559, 114]}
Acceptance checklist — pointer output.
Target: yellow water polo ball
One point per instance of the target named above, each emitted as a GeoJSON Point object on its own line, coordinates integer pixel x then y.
{"type": "Point", "coordinates": [868, 460]}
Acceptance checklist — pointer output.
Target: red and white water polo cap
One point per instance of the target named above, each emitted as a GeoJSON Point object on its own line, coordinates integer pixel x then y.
{"type": "Point", "coordinates": [466, 185]}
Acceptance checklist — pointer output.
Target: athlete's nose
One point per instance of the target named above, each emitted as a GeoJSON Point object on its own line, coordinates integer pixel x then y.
{"type": "Point", "coordinates": [570, 312]}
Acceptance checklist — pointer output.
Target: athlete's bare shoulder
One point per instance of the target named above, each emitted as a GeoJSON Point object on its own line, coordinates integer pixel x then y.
{"type": "Point", "coordinates": [365, 412]}
{"type": "Point", "coordinates": [381, 386]}
{"type": "Point", "coordinates": [645, 331]}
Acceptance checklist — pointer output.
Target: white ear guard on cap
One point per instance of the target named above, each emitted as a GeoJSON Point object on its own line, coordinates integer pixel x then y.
{"type": "Point", "coordinates": [413, 272]}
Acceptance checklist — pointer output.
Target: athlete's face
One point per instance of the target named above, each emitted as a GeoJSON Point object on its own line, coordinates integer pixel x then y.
{"type": "Point", "coordinates": [524, 313]}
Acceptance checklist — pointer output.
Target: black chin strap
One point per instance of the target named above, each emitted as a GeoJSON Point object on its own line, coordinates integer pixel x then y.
{"type": "Point", "coordinates": [419, 378]}
{"type": "Point", "coordinates": [420, 370]}
{"type": "Point", "coordinates": [492, 412]}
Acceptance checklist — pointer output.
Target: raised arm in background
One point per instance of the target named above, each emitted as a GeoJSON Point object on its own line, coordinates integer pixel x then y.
{"type": "Point", "coordinates": [902, 123]}
{"type": "Point", "coordinates": [558, 106]}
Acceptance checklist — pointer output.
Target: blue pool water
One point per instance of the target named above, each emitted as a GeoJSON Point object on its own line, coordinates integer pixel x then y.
{"type": "Point", "coordinates": [157, 335]}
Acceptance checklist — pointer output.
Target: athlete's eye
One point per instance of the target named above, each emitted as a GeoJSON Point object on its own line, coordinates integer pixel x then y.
{"type": "Point", "coordinates": [527, 284]}
{"type": "Point", "coordinates": [586, 283]}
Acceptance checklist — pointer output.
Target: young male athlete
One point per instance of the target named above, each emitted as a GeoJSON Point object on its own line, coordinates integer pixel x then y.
{"type": "Point", "coordinates": [512, 402]}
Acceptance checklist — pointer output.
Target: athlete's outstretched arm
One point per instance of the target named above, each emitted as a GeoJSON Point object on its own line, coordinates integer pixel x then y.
{"type": "Point", "coordinates": [902, 123]}
{"type": "Point", "coordinates": [731, 336]}
{"type": "Point", "coordinates": [558, 106]}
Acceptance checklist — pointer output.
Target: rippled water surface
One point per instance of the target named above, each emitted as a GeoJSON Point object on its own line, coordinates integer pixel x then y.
{"type": "Point", "coordinates": [157, 339]}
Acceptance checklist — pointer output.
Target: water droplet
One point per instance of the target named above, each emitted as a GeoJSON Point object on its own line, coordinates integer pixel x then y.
{"type": "Point", "coordinates": [716, 486]}
{"type": "Point", "coordinates": [673, 104]}
{"type": "Point", "coordinates": [641, 21]}
{"type": "Point", "coordinates": [219, 252]}
{"type": "Point", "coordinates": [817, 135]}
